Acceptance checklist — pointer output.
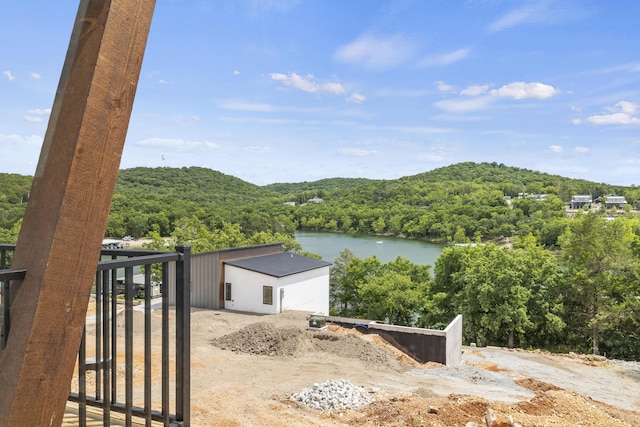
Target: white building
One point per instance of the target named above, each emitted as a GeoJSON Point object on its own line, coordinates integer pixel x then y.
{"type": "Point", "coordinates": [111, 244]}
{"type": "Point", "coordinates": [270, 284]}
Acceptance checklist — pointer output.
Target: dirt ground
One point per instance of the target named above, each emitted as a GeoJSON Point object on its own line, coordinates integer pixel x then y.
{"type": "Point", "coordinates": [246, 367]}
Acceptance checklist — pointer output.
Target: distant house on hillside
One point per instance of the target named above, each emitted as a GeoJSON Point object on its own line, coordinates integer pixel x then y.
{"type": "Point", "coordinates": [617, 202]}
{"type": "Point", "coordinates": [274, 283]}
{"type": "Point", "coordinates": [536, 197]}
{"type": "Point", "coordinates": [580, 200]}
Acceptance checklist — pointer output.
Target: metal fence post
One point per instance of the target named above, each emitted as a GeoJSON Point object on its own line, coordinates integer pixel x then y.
{"type": "Point", "coordinates": [183, 335]}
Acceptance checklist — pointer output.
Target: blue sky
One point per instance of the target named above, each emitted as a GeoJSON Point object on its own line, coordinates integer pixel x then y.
{"type": "Point", "coordinates": [290, 91]}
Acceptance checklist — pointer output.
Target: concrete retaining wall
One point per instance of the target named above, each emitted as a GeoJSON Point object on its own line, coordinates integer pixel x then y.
{"type": "Point", "coordinates": [424, 345]}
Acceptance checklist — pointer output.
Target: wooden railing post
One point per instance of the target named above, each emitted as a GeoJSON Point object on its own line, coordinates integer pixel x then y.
{"type": "Point", "coordinates": [61, 236]}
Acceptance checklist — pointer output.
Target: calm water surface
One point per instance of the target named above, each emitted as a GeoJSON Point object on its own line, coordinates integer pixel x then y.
{"type": "Point", "coordinates": [329, 246]}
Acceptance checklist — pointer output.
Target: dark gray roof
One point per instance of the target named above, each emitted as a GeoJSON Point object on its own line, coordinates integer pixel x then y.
{"type": "Point", "coordinates": [279, 265]}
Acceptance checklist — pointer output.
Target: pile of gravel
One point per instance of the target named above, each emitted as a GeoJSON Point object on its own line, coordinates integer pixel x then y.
{"type": "Point", "coordinates": [334, 394]}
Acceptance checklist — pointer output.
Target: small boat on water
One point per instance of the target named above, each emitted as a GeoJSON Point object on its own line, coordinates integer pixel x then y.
{"type": "Point", "coordinates": [379, 242]}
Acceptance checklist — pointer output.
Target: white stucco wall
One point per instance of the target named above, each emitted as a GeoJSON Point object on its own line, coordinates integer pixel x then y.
{"type": "Point", "coordinates": [246, 290]}
{"type": "Point", "coordinates": [306, 291]}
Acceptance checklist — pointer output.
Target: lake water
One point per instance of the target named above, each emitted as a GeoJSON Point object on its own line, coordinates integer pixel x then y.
{"type": "Point", "coordinates": [329, 246]}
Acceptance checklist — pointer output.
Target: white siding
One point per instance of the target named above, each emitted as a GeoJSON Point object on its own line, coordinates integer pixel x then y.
{"type": "Point", "coordinates": [246, 291]}
{"type": "Point", "coordinates": [306, 291]}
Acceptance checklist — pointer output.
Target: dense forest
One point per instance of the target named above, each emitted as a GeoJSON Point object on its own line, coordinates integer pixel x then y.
{"type": "Point", "coordinates": [458, 203]}
{"type": "Point", "coordinates": [522, 269]}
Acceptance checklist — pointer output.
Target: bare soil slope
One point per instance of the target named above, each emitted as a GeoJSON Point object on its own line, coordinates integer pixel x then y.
{"type": "Point", "coordinates": [246, 367]}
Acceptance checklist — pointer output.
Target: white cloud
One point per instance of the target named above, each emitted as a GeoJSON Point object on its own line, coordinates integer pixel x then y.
{"type": "Point", "coordinates": [613, 119]}
{"type": "Point", "coordinates": [236, 72]}
{"type": "Point", "coordinates": [35, 76]}
{"type": "Point", "coordinates": [626, 107]}
{"type": "Point", "coordinates": [232, 104]}
{"type": "Point", "coordinates": [376, 53]}
{"type": "Point", "coordinates": [356, 98]}
{"type": "Point", "coordinates": [526, 14]}
{"type": "Point", "coordinates": [539, 12]}
{"type": "Point", "coordinates": [556, 148]}
{"type": "Point", "coordinates": [443, 87]}
{"type": "Point", "coordinates": [622, 113]}
{"type": "Point", "coordinates": [257, 149]}
{"type": "Point", "coordinates": [14, 140]}
{"type": "Point", "coordinates": [409, 93]}
{"type": "Point", "coordinates": [581, 150]}
{"type": "Point", "coordinates": [632, 67]}
{"type": "Point", "coordinates": [308, 83]}
{"type": "Point", "coordinates": [163, 82]}
{"type": "Point", "coordinates": [9, 75]}
{"type": "Point", "coordinates": [257, 120]}
{"type": "Point", "coordinates": [464, 104]}
{"type": "Point", "coordinates": [178, 145]}
{"type": "Point", "coordinates": [39, 111]}
{"type": "Point", "coordinates": [239, 105]}
{"type": "Point", "coordinates": [444, 59]}
{"type": "Point", "coordinates": [34, 115]}
{"type": "Point", "coordinates": [482, 97]}
{"type": "Point", "coordinates": [430, 157]}
{"type": "Point", "coordinates": [474, 90]}
{"type": "Point", "coordinates": [356, 152]}
{"type": "Point", "coordinates": [522, 90]}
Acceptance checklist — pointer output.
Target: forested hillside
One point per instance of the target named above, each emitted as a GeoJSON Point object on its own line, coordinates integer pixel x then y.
{"type": "Point", "coordinates": [300, 192]}
{"type": "Point", "coordinates": [159, 199]}
{"type": "Point", "coordinates": [459, 203]}
{"type": "Point", "coordinates": [536, 275]}
{"type": "Point", "coordinates": [14, 194]}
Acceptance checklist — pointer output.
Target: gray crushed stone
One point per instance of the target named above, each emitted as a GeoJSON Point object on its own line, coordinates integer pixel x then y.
{"type": "Point", "coordinates": [333, 394]}
{"type": "Point", "coordinates": [468, 373]}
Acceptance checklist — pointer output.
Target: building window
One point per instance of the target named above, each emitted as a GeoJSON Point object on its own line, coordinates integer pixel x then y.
{"type": "Point", "coordinates": [267, 295]}
{"type": "Point", "coordinates": [227, 291]}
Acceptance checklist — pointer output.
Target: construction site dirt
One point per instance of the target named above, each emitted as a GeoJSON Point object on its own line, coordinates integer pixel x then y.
{"type": "Point", "coordinates": [245, 368]}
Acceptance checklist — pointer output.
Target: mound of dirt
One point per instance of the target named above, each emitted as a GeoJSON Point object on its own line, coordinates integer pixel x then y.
{"type": "Point", "coordinates": [264, 339]}
{"type": "Point", "coordinates": [352, 346]}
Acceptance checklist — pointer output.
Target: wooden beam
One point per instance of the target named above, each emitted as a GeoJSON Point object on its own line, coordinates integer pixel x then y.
{"type": "Point", "coordinates": [63, 227]}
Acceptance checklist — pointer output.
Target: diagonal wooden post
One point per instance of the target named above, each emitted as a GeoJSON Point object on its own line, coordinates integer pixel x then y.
{"type": "Point", "coordinates": [63, 227]}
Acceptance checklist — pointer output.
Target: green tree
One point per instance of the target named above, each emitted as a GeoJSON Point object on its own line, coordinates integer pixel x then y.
{"type": "Point", "coordinates": [460, 236]}
{"type": "Point", "coordinates": [507, 296]}
{"type": "Point", "coordinates": [495, 297]}
{"type": "Point", "coordinates": [10, 235]}
{"type": "Point", "coordinates": [340, 291]}
{"type": "Point", "coordinates": [597, 255]}
{"type": "Point", "coordinates": [378, 225]}
{"type": "Point", "coordinates": [392, 297]}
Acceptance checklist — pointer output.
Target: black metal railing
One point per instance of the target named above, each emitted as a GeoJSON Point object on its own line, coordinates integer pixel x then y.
{"type": "Point", "coordinates": [6, 276]}
{"type": "Point", "coordinates": [112, 354]}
